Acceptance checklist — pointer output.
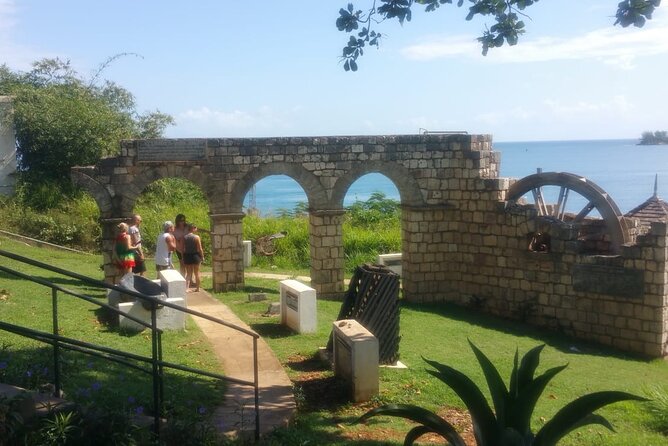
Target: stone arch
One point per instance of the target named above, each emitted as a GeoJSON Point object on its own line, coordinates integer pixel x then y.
{"type": "Point", "coordinates": [128, 195]}
{"type": "Point", "coordinates": [407, 185]}
{"type": "Point", "coordinates": [315, 192]}
{"type": "Point", "coordinates": [98, 191]}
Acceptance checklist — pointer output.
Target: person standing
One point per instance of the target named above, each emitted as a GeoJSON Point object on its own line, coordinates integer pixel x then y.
{"type": "Point", "coordinates": [180, 232]}
{"type": "Point", "coordinates": [164, 246]}
{"type": "Point", "coordinates": [124, 251]}
{"type": "Point", "coordinates": [135, 239]}
{"type": "Point", "coordinates": [193, 255]}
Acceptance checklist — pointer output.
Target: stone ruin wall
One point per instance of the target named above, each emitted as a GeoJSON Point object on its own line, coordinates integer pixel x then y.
{"type": "Point", "coordinates": [475, 253]}
{"type": "Point", "coordinates": [460, 244]}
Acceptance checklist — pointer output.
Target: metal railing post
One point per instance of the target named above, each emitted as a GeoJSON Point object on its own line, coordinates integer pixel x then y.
{"type": "Point", "coordinates": [56, 347]}
{"type": "Point", "coordinates": [161, 371]}
{"type": "Point", "coordinates": [256, 385]}
{"type": "Point", "coordinates": [157, 405]}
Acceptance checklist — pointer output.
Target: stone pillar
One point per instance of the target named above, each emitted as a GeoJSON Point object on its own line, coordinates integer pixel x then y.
{"type": "Point", "coordinates": [327, 265]}
{"type": "Point", "coordinates": [7, 149]}
{"type": "Point", "coordinates": [108, 226]}
{"type": "Point", "coordinates": [227, 251]}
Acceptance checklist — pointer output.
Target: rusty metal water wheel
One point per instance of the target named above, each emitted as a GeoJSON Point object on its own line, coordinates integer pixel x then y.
{"type": "Point", "coordinates": [566, 183]}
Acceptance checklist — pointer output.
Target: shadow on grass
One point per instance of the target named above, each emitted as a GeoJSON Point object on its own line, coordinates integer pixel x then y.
{"type": "Point", "coordinates": [559, 340]}
{"type": "Point", "coordinates": [87, 379]}
{"type": "Point", "coordinates": [70, 284]}
{"type": "Point", "coordinates": [272, 330]}
{"type": "Point", "coordinates": [260, 289]}
{"type": "Point", "coordinates": [109, 323]}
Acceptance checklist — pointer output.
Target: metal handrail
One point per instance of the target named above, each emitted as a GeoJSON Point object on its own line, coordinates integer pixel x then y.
{"type": "Point", "coordinates": [156, 362]}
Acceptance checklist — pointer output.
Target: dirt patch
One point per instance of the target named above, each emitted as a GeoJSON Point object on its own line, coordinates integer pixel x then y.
{"type": "Point", "coordinates": [316, 388]}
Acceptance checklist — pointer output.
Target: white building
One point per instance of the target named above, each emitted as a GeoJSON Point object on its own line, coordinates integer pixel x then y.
{"type": "Point", "coordinates": [7, 148]}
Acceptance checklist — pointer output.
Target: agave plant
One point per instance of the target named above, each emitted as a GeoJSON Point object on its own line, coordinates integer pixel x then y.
{"type": "Point", "coordinates": [509, 424]}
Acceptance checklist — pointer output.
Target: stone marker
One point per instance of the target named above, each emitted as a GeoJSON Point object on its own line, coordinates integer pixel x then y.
{"type": "Point", "coordinates": [392, 261]}
{"type": "Point", "coordinates": [257, 297]}
{"type": "Point", "coordinates": [298, 306]}
{"type": "Point", "coordinates": [356, 358]}
{"type": "Point", "coordinates": [173, 286]}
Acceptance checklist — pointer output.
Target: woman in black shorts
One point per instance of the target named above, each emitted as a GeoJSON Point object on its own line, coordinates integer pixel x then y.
{"type": "Point", "coordinates": [192, 256]}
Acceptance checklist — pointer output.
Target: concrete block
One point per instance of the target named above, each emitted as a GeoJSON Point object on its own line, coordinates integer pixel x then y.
{"type": "Point", "coordinates": [356, 358]}
{"type": "Point", "coordinates": [167, 318]}
{"type": "Point", "coordinates": [257, 297]}
{"type": "Point", "coordinates": [392, 261]}
{"type": "Point", "coordinates": [298, 306]}
{"type": "Point", "coordinates": [173, 284]}
{"type": "Point", "coordinates": [247, 251]}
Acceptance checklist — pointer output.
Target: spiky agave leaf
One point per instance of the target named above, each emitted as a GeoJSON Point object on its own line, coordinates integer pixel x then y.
{"type": "Point", "coordinates": [420, 415]}
{"type": "Point", "coordinates": [415, 433]}
{"type": "Point", "coordinates": [485, 427]}
{"type": "Point", "coordinates": [578, 413]}
{"type": "Point", "coordinates": [525, 402]}
{"type": "Point", "coordinates": [497, 387]}
{"type": "Point", "coordinates": [528, 367]}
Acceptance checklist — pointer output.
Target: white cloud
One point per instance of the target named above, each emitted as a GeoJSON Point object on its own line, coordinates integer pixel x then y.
{"type": "Point", "coordinates": [610, 45]}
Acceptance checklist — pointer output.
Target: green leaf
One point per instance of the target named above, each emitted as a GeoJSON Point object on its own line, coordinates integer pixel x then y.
{"type": "Point", "coordinates": [415, 433]}
{"type": "Point", "coordinates": [484, 423]}
{"type": "Point", "coordinates": [419, 415]}
{"type": "Point", "coordinates": [528, 366]}
{"type": "Point", "coordinates": [576, 412]}
{"type": "Point", "coordinates": [497, 387]}
{"type": "Point", "coordinates": [525, 402]}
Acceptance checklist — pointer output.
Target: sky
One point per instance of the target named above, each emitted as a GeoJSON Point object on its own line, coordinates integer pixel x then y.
{"type": "Point", "coordinates": [269, 68]}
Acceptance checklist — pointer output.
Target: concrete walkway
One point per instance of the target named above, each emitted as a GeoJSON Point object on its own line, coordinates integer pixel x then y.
{"type": "Point", "coordinates": [234, 349]}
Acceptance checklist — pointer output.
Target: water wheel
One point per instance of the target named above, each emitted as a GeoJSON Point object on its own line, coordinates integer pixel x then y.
{"type": "Point", "coordinates": [555, 205]}
{"type": "Point", "coordinates": [265, 245]}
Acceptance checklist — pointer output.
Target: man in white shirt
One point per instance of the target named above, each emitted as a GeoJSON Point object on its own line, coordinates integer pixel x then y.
{"type": "Point", "coordinates": [164, 246]}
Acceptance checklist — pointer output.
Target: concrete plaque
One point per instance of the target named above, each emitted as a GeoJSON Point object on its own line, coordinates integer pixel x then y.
{"type": "Point", "coordinates": [611, 280]}
{"type": "Point", "coordinates": [171, 150]}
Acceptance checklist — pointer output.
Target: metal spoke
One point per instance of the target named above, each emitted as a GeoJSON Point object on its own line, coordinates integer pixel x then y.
{"type": "Point", "coordinates": [583, 213]}
{"type": "Point", "coordinates": [558, 207]}
{"type": "Point", "coordinates": [539, 200]}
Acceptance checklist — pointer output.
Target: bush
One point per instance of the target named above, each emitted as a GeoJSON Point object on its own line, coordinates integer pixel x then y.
{"type": "Point", "coordinates": [73, 223]}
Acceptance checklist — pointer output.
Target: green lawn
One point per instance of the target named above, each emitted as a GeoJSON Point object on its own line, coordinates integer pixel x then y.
{"type": "Point", "coordinates": [88, 379]}
{"type": "Point", "coordinates": [441, 333]}
{"type": "Point", "coordinates": [436, 332]}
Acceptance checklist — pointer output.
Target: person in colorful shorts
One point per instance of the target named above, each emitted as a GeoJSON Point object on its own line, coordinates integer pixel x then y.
{"type": "Point", "coordinates": [124, 251]}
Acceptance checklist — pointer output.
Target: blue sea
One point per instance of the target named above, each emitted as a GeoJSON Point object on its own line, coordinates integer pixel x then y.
{"type": "Point", "coordinates": [623, 169]}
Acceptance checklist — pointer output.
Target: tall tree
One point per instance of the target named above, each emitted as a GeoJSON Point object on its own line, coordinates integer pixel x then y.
{"type": "Point", "coordinates": [505, 14]}
{"type": "Point", "coordinates": [62, 120]}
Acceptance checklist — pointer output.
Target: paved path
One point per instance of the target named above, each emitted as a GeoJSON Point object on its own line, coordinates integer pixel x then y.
{"type": "Point", "coordinates": [235, 351]}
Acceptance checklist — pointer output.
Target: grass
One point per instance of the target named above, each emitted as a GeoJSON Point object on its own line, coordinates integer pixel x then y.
{"type": "Point", "coordinates": [28, 363]}
{"type": "Point", "coordinates": [437, 332]}
{"type": "Point", "coordinates": [440, 332]}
